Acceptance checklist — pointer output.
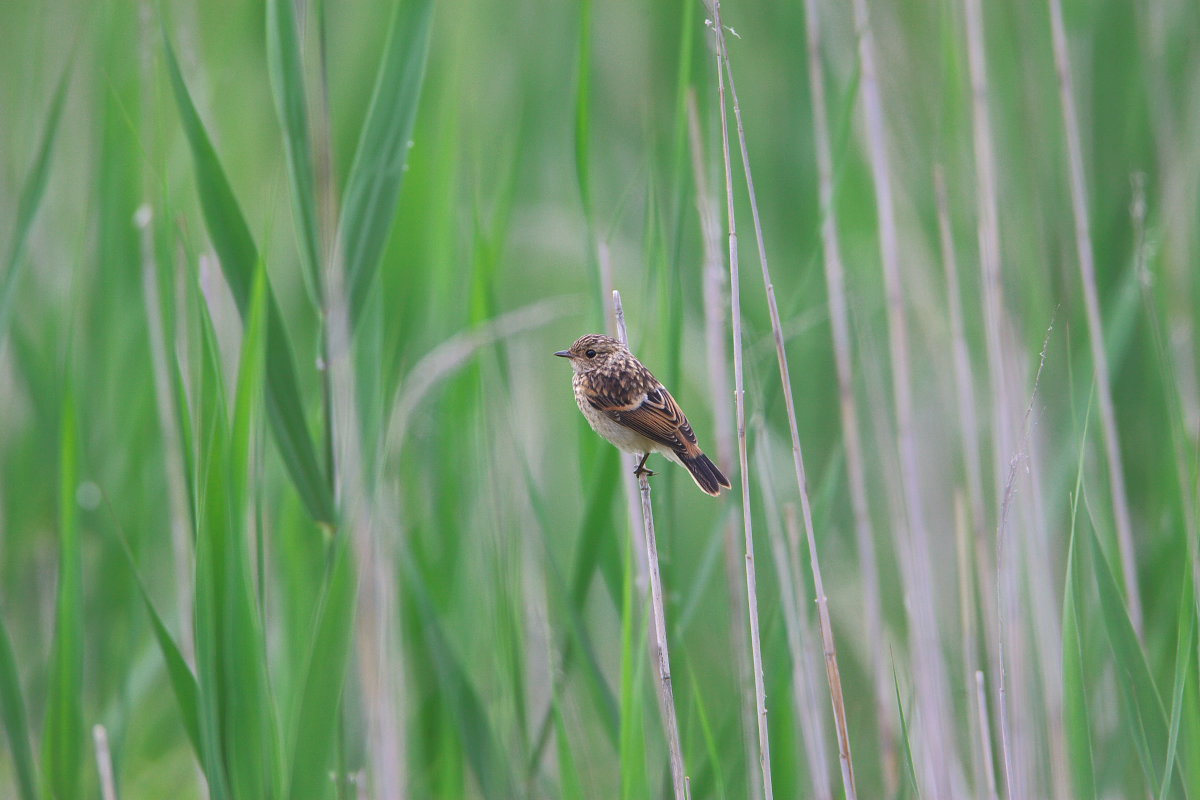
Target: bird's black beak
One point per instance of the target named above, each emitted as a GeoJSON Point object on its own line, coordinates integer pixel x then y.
{"type": "Point", "coordinates": [564, 354]}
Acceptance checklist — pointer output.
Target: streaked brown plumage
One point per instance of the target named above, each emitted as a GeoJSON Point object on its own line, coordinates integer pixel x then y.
{"type": "Point", "coordinates": [626, 404]}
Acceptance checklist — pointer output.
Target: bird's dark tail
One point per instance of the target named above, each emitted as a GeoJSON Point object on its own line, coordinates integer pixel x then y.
{"type": "Point", "coordinates": [705, 473]}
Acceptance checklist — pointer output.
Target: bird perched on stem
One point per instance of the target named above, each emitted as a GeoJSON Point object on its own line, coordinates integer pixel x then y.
{"type": "Point", "coordinates": [626, 404]}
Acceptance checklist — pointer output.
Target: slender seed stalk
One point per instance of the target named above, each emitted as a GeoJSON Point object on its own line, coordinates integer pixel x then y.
{"type": "Point", "coordinates": [1091, 298]}
{"type": "Point", "coordinates": [941, 763]}
{"type": "Point", "coordinates": [715, 303]}
{"type": "Point", "coordinates": [839, 318]}
{"type": "Point", "coordinates": [662, 657]}
{"type": "Point", "coordinates": [739, 395]}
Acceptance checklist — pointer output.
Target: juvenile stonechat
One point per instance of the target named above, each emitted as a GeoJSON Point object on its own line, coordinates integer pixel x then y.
{"type": "Point", "coordinates": [627, 405]}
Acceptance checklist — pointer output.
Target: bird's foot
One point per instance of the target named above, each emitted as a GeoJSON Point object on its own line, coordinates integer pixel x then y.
{"type": "Point", "coordinates": [641, 468]}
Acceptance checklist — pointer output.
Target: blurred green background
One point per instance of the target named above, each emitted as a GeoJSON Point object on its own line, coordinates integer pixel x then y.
{"type": "Point", "coordinates": [406, 569]}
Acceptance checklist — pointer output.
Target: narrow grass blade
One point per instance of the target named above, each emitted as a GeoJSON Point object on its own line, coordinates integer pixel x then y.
{"type": "Point", "coordinates": [569, 784]}
{"type": "Point", "coordinates": [287, 85]}
{"type": "Point", "coordinates": [16, 725]}
{"type": "Point", "coordinates": [252, 738]}
{"type": "Point", "coordinates": [29, 203]}
{"type": "Point", "coordinates": [239, 256]}
{"type": "Point", "coordinates": [1076, 724]}
{"type": "Point", "coordinates": [1184, 650]}
{"type": "Point", "coordinates": [183, 682]}
{"type": "Point", "coordinates": [212, 513]}
{"type": "Point", "coordinates": [63, 733]}
{"type": "Point", "coordinates": [474, 729]}
{"type": "Point", "coordinates": [321, 694]}
{"type": "Point", "coordinates": [373, 185]}
{"type": "Point", "coordinates": [1144, 723]}
{"type": "Point", "coordinates": [910, 768]}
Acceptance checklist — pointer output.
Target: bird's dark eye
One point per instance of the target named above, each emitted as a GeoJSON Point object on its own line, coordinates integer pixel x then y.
{"type": "Point", "coordinates": [591, 354]}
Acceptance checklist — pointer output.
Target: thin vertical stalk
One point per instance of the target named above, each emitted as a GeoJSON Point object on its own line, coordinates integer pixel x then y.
{"type": "Point", "coordinates": [1091, 299]}
{"type": "Point", "coordinates": [994, 318]}
{"type": "Point", "coordinates": [375, 621]}
{"type": "Point", "coordinates": [104, 765]}
{"type": "Point", "coordinates": [739, 394]}
{"type": "Point", "coordinates": [715, 303]}
{"type": "Point", "coordinates": [941, 762]}
{"type": "Point", "coordinates": [985, 735]}
{"type": "Point", "coordinates": [832, 672]}
{"type": "Point", "coordinates": [666, 694]}
{"type": "Point", "coordinates": [181, 543]}
{"type": "Point", "coordinates": [785, 546]}
{"type": "Point", "coordinates": [839, 318]}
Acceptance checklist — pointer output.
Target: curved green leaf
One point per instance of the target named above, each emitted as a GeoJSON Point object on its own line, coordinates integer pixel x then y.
{"type": "Point", "coordinates": [373, 186]}
{"type": "Point", "coordinates": [238, 256]}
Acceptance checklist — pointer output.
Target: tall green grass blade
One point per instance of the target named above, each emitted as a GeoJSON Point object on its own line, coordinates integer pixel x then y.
{"type": "Point", "coordinates": [1144, 723]}
{"type": "Point", "coordinates": [910, 769]}
{"type": "Point", "coordinates": [476, 736]}
{"type": "Point", "coordinates": [316, 723]}
{"type": "Point", "coordinates": [1184, 650]}
{"type": "Point", "coordinates": [16, 725]}
{"type": "Point", "coordinates": [29, 203]}
{"type": "Point", "coordinates": [253, 748]}
{"type": "Point", "coordinates": [212, 514]}
{"type": "Point", "coordinates": [1076, 723]}
{"type": "Point", "coordinates": [373, 185]}
{"type": "Point", "coordinates": [710, 739]}
{"type": "Point", "coordinates": [570, 785]}
{"type": "Point", "coordinates": [183, 682]}
{"type": "Point", "coordinates": [239, 256]}
{"type": "Point", "coordinates": [63, 733]}
{"type": "Point", "coordinates": [286, 69]}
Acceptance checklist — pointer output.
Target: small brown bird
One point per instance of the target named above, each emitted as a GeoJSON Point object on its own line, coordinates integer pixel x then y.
{"type": "Point", "coordinates": [627, 405]}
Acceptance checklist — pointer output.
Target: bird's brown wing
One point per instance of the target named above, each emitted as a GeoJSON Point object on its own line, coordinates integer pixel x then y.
{"type": "Point", "coordinates": [658, 417]}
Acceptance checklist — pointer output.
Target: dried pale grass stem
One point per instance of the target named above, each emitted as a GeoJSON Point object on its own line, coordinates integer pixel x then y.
{"type": "Point", "coordinates": [666, 694]}
{"type": "Point", "coordinates": [715, 309]}
{"type": "Point", "coordinates": [725, 70]}
{"type": "Point", "coordinates": [1091, 298]}
{"type": "Point", "coordinates": [739, 394]}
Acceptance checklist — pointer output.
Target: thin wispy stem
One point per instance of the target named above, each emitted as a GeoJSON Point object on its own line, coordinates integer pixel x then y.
{"type": "Point", "coordinates": [839, 319]}
{"type": "Point", "coordinates": [715, 309]}
{"type": "Point", "coordinates": [985, 735]}
{"type": "Point", "coordinates": [666, 694]}
{"type": "Point", "coordinates": [739, 395]}
{"type": "Point", "coordinates": [832, 673]}
{"type": "Point", "coordinates": [994, 317]}
{"type": "Point", "coordinates": [1006, 584]}
{"type": "Point", "coordinates": [1091, 299]}
{"type": "Point", "coordinates": [104, 765]}
{"type": "Point", "coordinates": [940, 760]}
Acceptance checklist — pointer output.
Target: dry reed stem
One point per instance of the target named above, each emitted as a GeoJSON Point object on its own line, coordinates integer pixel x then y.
{"type": "Point", "coordinates": [380, 667]}
{"type": "Point", "coordinates": [1006, 588]}
{"type": "Point", "coordinates": [993, 315]}
{"type": "Point", "coordinates": [715, 303]}
{"type": "Point", "coordinates": [1091, 298]}
{"type": "Point", "coordinates": [940, 758]}
{"type": "Point", "coordinates": [785, 545]}
{"type": "Point", "coordinates": [666, 694]}
{"type": "Point", "coordinates": [831, 666]}
{"type": "Point", "coordinates": [739, 394]}
{"type": "Point", "coordinates": [985, 735]}
{"type": "Point", "coordinates": [835, 282]}
{"type": "Point", "coordinates": [104, 766]}
{"type": "Point", "coordinates": [628, 479]}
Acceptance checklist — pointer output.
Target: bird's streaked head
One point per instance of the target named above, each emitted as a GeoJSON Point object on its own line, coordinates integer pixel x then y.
{"type": "Point", "coordinates": [594, 351]}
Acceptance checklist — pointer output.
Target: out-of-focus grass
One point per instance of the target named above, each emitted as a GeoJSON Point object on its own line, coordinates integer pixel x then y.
{"type": "Point", "coordinates": [434, 166]}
